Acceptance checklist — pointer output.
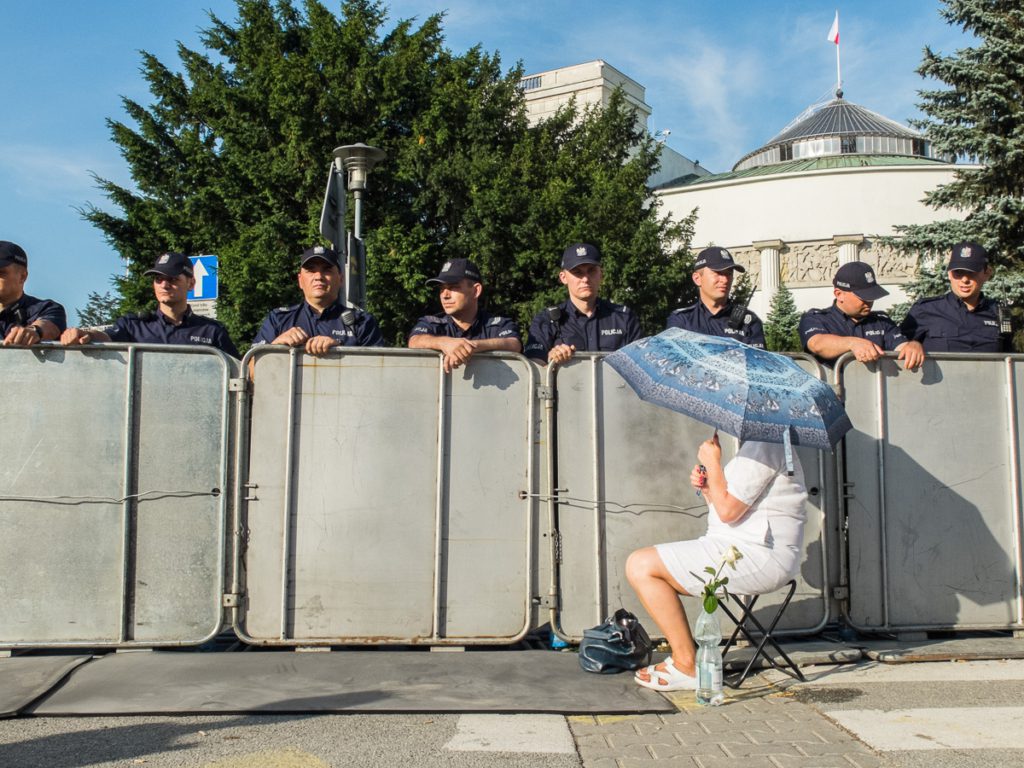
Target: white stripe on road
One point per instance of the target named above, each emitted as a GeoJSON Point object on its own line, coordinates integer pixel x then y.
{"type": "Point", "coordinates": [512, 733]}
{"type": "Point", "coordinates": [917, 672]}
{"type": "Point", "coordinates": [935, 728]}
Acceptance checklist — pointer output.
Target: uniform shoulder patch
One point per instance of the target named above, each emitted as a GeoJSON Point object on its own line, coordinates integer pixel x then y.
{"type": "Point", "coordinates": [280, 310]}
{"type": "Point", "coordinates": [683, 310]}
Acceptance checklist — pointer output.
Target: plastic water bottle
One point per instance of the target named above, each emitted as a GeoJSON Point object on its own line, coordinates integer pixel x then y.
{"type": "Point", "coordinates": [708, 634]}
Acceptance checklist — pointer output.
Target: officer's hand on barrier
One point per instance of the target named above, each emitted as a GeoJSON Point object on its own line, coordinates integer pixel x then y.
{"type": "Point", "coordinates": [864, 350]}
{"type": "Point", "coordinates": [75, 336]}
{"type": "Point", "coordinates": [912, 355]}
{"type": "Point", "coordinates": [561, 353]}
{"type": "Point", "coordinates": [458, 354]}
{"type": "Point", "coordinates": [319, 345]}
{"type": "Point", "coordinates": [293, 337]}
{"type": "Point", "coordinates": [21, 336]}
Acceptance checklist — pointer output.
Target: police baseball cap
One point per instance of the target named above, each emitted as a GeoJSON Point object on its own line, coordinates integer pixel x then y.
{"type": "Point", "coordinates": [580, 253]}
{"type": "Point", "coordinates": [859, 279]}
{"type": "Point", "coordinates": [324, 254]}
{"type": "Point", "coordinates": [171, 265]}
{"type": "Point", "coordinates": [12, 253]}
{"type": "Point", "coordinates": [456, 270]}
{"type": "Point", "coordinates": [717, 259]}
{"type": "Point", "coordinates": [970, 257]}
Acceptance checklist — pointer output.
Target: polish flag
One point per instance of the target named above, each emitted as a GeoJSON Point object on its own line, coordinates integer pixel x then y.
{"type": "Point", "coordinates": [833, 33]}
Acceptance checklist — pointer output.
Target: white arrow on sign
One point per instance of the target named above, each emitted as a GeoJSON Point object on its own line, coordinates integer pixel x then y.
{"type": "Point", "coordinates": [200, 274]}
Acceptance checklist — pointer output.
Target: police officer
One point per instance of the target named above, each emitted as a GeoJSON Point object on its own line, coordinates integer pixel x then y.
{"type": "Point", "coordinates": [849, 325]}
{"type": "Point", "coordinates": [321, 321]}
{"type": "Point", "coordinates": [963, 320]}
{"type": "Point", "coordinates": [713, 273]}
{"type": "Point", "coordinates": [24, 320]}
{"type": "Point", "coordinates": [584, 322]}
{"type": "Point", "coordinates": [464, 328]}
{"type": "Point", "coordinates": [173, 321]}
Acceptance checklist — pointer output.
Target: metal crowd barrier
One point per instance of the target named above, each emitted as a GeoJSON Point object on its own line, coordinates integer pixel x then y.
{"type": "Point", "coordinates": [375, 499]}
{"type": "Point", "coordinates": [387, 501]}
{"type": "Point", "coordinates": [933, 493]}
{"type": "Point", "coordinates": [621, 469]}
{"type": "Point", "coordinates": [114, 489]}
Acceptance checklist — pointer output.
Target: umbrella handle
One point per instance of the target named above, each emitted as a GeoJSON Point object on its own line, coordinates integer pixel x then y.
{"type": "Point", "coordinates": [704, 473]}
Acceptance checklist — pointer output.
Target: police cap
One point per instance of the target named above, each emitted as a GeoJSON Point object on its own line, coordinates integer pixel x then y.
{"type": "Point", "coordinates": [171, 265]}
{"type": "Point", "coordinates": [859, 278]}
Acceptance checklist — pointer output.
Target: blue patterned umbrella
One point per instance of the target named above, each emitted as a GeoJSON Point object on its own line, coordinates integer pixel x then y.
{"type": "Point", "coordinates": [747, 392]}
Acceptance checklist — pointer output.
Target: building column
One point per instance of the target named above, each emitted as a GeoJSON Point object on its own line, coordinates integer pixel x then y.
{"type": "Point", "coordinates": [771, 267]}
{"type": "Point", "coordinates": [849, 247]}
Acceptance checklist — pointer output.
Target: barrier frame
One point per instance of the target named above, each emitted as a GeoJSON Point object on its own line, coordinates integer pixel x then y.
{"type": "Point", "coordinates": [528, 496]}
{"type": "Point", "coordinates": [1016, 516]}
{"type": "Point", "coordinates": [600, 560]}
{"type": "Point", "coordinates": [130, 500]}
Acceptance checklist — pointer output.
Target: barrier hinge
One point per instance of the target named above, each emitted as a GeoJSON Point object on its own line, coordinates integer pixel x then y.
{"type": "Point", "coordinates": [841, 593]}
{"type": "Point", "coordinates": [545, 393]}
{"type": "Point", "coordinates": [230, 600]}
{"type": "Point", "coordinates": [546, 601]}
{"type": "Point", "coordinates": [238, 385]}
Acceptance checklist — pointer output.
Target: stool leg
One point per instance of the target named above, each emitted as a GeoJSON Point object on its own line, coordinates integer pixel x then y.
{"type": "Point", "coordinates": [790, 668]}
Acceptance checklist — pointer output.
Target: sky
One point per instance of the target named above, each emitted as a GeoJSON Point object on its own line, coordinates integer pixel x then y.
{"type": "Point", "coordinates": [723, 76]}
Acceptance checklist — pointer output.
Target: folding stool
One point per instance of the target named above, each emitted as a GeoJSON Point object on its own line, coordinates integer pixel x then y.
{"type": "Point", "coordinates": [747, 618]}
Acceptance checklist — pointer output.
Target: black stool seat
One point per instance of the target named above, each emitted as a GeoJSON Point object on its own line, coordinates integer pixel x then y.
{"type": "Point", "coordinates": [748, 625]}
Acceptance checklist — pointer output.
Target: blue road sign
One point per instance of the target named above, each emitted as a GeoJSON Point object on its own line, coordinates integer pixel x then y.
{"type": "Point", "coordinates": [206, 278]}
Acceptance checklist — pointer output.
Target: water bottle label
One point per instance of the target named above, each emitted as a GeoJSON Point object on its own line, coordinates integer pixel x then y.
{"type": "Point", "coordinates": [716, 679]}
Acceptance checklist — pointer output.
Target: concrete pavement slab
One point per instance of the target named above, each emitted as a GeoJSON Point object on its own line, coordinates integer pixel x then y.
{"type": "Point", "coordinates": [252, 741]}
{"type": "Point", "coordinates": [512, 733]}
{"type": "Point", "coordinates": [935, 728]}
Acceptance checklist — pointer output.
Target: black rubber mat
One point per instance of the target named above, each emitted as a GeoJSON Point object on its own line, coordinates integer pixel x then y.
{"type": "Point", "coordinates": [346, 681]}
{"type": "Point", "coordinates": [23, 679]}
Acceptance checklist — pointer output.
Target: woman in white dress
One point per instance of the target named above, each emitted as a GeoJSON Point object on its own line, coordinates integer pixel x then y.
{"type": "Point", "coordinates": [755, 505]}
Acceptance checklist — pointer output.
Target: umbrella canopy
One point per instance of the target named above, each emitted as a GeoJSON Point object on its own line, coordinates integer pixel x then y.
{"type": "Point", "coordinates": [750, 393]}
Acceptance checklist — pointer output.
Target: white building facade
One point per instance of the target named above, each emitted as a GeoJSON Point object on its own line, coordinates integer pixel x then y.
{"type": "Point", "coordinates": [592, 83]}
{"type": "Point", "coordinates": [816, 196]}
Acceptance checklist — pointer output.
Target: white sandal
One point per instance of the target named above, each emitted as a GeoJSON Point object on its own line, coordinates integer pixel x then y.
{"type": "Point", "coordinates": [669, 679]}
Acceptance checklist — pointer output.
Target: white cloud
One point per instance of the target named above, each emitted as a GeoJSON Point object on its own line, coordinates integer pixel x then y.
{"type": "Point", "coordinates": [48, 173]}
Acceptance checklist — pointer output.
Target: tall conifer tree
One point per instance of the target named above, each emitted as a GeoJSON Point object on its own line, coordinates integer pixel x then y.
{"type": "Point", "coordinates": [231, 158]}
{"type": "Point", "coordinates": [979, 115]}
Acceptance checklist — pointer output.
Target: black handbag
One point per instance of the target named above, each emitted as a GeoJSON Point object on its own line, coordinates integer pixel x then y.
{"type": "Point", "coordinates": [617, 644]}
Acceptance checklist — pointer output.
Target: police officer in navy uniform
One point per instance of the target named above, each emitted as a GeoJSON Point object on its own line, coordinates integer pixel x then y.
{"type": "Point", "coordinates": [713, 273]}
{"type": "Point", "coordinates": [321, 321]}
{"type": "Point", "coordinates": [963, 320]}
{"type": "Point", "coordinates": [584, 322]}
{"type": "Point", "coordinates": [24, 320]}
{"type": "Point", "coordinates": [464, 328]}
{"type": "Point", "coordinates": [173, 321]}
{"type": "Point", "coordinates": [849, 325]}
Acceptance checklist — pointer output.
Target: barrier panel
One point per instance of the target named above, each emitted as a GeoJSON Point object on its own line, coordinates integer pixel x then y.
{"type": "Point", "coordinates": [621, 482]}
{"type": "Point", "coordinates": [387, 501]}
{"type": "Point", "coordinates": [114, 492]}
{"type": "Point", "coordinates": [934, 492]}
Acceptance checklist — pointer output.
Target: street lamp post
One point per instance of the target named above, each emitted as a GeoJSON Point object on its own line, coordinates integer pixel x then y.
{"type": "Point", "coordinates": [358, 160]}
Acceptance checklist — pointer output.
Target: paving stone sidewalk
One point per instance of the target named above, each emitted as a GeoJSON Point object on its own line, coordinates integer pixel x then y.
{"type": "Point", "coordinates": [759, 728]}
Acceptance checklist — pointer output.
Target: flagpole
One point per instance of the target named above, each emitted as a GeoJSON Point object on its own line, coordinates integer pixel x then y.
{"type": "Point", "coordinates": [839, 75]}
